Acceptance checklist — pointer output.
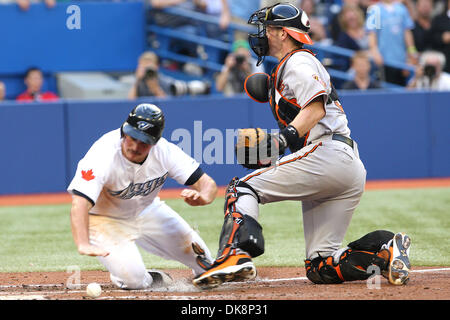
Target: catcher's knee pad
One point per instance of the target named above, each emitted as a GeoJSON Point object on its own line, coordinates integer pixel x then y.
{"type": "Point", "coordinates": [351, 265]}
{"type": "Point", "coordinates": [239, 230]}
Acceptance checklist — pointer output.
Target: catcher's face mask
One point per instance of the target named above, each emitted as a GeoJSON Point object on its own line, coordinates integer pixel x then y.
{"type": "Point", "coordinates": [258, 41]}
{"type": "Point", "coordinates": [294, 21]}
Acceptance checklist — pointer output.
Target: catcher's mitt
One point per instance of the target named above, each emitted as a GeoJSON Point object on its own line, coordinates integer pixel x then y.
{"type": "Point", "coordinates": [256, 148]}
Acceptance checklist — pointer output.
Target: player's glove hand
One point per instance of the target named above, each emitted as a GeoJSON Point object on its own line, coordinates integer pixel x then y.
{"type": "Point", "coordinates": [256, 148]}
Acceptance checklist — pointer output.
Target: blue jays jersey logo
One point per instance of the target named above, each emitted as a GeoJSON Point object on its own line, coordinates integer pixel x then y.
{"type": "Point", "coordinates": [139, 189]}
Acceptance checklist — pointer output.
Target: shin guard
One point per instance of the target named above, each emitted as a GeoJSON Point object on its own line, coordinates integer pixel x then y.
{"type": "Point", "coordinates": [239, 231]}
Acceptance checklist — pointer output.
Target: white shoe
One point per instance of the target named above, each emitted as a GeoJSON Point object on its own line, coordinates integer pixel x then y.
{"type": "Point", "coordinates": [399, 265]}
{"type": "Point", "coordinates": [160, 278]}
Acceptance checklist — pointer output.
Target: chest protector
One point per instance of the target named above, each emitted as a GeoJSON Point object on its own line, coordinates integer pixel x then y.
{"type": "Point", "coordinates": [285, 110]}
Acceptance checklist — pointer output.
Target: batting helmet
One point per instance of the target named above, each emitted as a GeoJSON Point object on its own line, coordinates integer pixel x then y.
{"type": "Point", "coordinates": [145, 123]}
{"type": "Point", "coordinates": [293, 20]}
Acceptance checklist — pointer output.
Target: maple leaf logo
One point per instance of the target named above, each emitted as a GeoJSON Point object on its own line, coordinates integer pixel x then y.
{"type": "Point", "coordinates": [87, 175]}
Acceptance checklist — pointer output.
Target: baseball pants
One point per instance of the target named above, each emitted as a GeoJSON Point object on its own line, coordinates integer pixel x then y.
{"type": "Point", "coordinates": [158, 229]}
{"type": "Point", "coordinates": [327, 176]}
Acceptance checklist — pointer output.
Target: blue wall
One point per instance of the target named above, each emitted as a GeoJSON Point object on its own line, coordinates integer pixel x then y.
{"type": "Point", "coordinates": [400, 135]}
{"type": "Point", "coordinates": [32, 148]}
{"type": "Point", "coordinates": [110, 38]}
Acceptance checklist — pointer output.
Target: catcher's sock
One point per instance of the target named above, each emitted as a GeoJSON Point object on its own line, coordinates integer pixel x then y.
{"type": "Point", "coordinates": [241, 252]}
{"type": "Point", "coordinates": [337, 255]}
{"type": "Point", "coordinates": [247, 204]}
{"type": "Point", "coordinates": [387, 245]}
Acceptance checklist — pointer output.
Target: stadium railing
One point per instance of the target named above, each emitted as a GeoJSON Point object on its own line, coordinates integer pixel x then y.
{"type": "Point", "coordinates": [214, 47]}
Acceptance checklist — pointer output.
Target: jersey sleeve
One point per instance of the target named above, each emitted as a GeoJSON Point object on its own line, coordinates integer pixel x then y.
{"type": "Point", "coordinates": [181, 167]}
{"type": "Point", "coordinates": [305, 82]}
{"type": "Point", "coordinates": [89, 177]}
{"type": "Point", "coordinates": [408, 23]}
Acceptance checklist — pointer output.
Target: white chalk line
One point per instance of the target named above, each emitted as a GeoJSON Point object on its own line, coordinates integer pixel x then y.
{"type": "Point", "coordinates": [305, 278]}
{"type": "Point", "coordinates": [431, 270]}
{"type": "Point", "coordinates": [41, 294]}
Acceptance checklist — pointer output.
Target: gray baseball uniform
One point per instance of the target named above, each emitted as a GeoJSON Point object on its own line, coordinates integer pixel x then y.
{"type": "Point", "coordinates": [323, 171]}
{"type": "Point", "coordinates": [325, 174]}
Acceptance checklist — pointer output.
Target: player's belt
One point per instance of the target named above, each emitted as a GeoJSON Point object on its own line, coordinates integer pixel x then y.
{"type": "Point", "coordinates": [344, 139]}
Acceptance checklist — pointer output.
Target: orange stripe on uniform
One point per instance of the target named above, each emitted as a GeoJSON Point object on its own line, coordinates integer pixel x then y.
{"type": "Point", "coordinates": [277, 107]}
{"type": "Point", "coordinates": [313, 97]}
{"type": "Point", "coordinates": [339, 273]}
{"type": "Point", "coordinates": [306, 138]}
{"type": "Point", "coordinates": [284, 162]}
{"type": "Point", "coordinates": [339, 105]}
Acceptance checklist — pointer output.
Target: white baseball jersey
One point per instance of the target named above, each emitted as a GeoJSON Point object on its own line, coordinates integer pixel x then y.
{"type": "Point", "coordinates": [120, 188]}
{"type": "Point", "coordinates": [301, 79]}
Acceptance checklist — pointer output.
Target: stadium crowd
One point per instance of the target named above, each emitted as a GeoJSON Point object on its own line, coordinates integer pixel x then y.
{"type": "Point", "coordinates": [383, 34]}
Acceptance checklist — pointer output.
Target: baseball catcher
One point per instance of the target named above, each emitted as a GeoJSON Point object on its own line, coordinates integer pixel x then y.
{"type": "Point", "coordinates": [323, 170]}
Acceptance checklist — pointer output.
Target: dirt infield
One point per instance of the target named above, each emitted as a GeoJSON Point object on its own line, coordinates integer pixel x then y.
{"type": "Point", "coordinates": [271, 284]}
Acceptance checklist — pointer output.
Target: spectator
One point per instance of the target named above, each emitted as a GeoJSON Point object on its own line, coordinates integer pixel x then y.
{"type": "Point", "coordinates": [334, 27]}
{"type": "Point", "coordinates": [217, 8]}
{"type": "Point", "coordinates": [440, 31]}
{"type": "Point", "coordinates": [422, 28]}
{"type": "Point", "coordinates": [429, 74]}
{"type": "Point", "coordinates": [147, 81]}
{"type": "Point", "coordinates": [390, 38]}
{"type": "Point", "coordinates": [361, 67]}
{"type": "Point", "coordinates": [238, 65]}
{"type": "Point", "coordinates": [353, 35]}
{"type": "Point", "coordinates": [34, 81]}
{"type": "Point", "coordinates": [2, 91]}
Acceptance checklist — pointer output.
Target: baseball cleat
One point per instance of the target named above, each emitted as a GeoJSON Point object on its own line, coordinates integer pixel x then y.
{"type": "Point", "coordinates": [235, 268]}
{"type": "Point", "coordinates": [399, 266]}
{"type": "Point", "coordinates": [160, 278]}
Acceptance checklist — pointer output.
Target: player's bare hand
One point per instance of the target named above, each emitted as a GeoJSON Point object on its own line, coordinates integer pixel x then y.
{"type": "Point", "coordinates": [193, 197]}
{"type": "Point", "coordinates": [230, 61]}
{"type": "Point", "coordinates": [91, 250]}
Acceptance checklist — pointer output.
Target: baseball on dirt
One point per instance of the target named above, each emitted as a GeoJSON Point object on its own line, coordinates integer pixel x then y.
{"type": "Point", "coordinates": [93, 290]}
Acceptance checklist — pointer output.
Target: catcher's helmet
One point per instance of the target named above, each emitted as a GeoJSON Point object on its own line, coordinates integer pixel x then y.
{"type": "Point", "coordinates": [145, 123]}
{"type": "Point", "coordinates": [284, 15]}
